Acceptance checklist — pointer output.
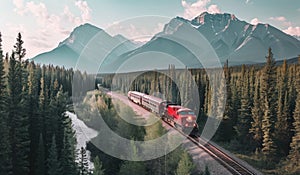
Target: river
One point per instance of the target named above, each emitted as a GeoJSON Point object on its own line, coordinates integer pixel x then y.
{"type": "Point", "coordinates": [83, 134]}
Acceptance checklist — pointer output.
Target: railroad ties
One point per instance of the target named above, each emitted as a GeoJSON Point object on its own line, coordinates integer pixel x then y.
{"type": "Point", "coordinates": [225, 160]}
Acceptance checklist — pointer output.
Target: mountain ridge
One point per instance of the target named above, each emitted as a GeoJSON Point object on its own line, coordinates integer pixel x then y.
{"type": "Point", "coordinates": [85, 38]}
{"type": "Point", "coordinates": [232, 39]}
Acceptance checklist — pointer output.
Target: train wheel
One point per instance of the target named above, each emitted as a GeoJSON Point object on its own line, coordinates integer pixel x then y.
{"type": "Point", "coordinates": [175, 125]}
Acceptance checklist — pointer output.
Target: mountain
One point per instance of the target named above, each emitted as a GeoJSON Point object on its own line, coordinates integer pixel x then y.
{"type": "Point", "coordinates": [230, 38]}
{"type": "Point", "coordinates": [86, 47]}
{"type": "Point", "coordinates": [297, 37]}
{"type": "Point", "coordinates": [240, 41]}
{"type": "Point", "coordinates": [206, 41]}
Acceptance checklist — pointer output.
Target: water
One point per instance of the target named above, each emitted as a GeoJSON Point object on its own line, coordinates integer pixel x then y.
{"type": "Point", "coordinates": [83, 134]}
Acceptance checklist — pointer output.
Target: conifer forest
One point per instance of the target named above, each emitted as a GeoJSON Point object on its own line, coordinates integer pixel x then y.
{"type": "Point", "coordinates": [260, 123]}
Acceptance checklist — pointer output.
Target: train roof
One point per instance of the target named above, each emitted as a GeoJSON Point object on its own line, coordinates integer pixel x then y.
{"type": "Point", "coordinates": [137, 93]}
{"type": "Point", "coordinates": [184, 109]}
{"type": "Point", "coordinates": [156, 99]}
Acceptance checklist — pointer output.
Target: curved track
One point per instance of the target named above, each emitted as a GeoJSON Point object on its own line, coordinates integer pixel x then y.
{"type": "Point", "coordinates": [225, 160]}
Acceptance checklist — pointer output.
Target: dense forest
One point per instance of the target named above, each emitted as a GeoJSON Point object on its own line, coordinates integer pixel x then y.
{"type": "Point", "coordinates": [177, 162]}
{"type": "Point", "coordinates": [260, 121]}
{"type": "Point", "coordinates": [261, 117]}
{"type": "Point", "coordinates": [36, 136]}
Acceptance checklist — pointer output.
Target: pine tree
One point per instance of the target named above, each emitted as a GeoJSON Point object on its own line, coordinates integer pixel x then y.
{"type": "Point", "coordinates": [83, 164]}
{"type": "Point", "coordinates": [244, 120]}
{"type": "Point", "coordinates": [268, 97]}
{"type": "Point", "coordinates": [53, 164]}
{"type": "Point", "coordinates": [5, 159]}
{"type": "Point", "coordinates": [133, 167]}
{"type": "Point", "coordinates": [283, 124]}
{"type": "Point", "coordinates": [34, 118]}
{"type": "Point", "coordinates": [185, 165]}
{"type": "Point", "coordinates": [172, 88]}
{"type": "Point", "coordinates": [294, 155]}
{"type": "Point", "coordinates": [225, 107]}
{"type": "Point", "coordinates": [40, 168]}
{"type": "Point", "coordinates": [206, 172]}
{"type": "Point", "coordinates": [68, 152]}
{"type": "Point", "coordinates": [18, 108]}
{"type": "Point", "coordinates": [152, 132]}
{"type": "Point", "coordinates": [19, 50]}
{"type": "Point", "coordinates": [98, 169]}
{"type": "Point", "coordinates": [257, 114]}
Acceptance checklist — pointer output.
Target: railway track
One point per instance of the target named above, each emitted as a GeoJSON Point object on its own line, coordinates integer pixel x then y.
{"type": "Point", "coordinates": [225, 160]}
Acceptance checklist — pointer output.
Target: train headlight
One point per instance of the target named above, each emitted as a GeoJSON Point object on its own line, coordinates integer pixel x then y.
{"type": "Point", "coordinates": [189, 119]}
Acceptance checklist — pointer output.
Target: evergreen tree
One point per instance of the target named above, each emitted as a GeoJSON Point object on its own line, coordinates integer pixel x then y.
{"type": "Point", "coordinates": [83, 164]}
{"type": "Point", "coordinates": [268, 97]}
{"type": "Point", "coordinates": [153, 132]}
{"type": "Point", "coordinates": [283, 124]}
{"type": "Point", "coordinates": [133, 167]}
{"type": "Point", "coordinates": [173, 89]}
{"type": "Point", "coordinates": [225, 107]}
{"type": "Point", "coordinates": [294, 155]}
{"type": "Point", "coordinates": [40, 168]}
{"type": "Point", "coordinates": [18, 116]}
{"type": "Point", "coordinates": [129, 168]}
{"type": "Point", "coordinates": [5, 159]}
{"type": "Point", "coordinates": [185, 165]}
{"type": "Point", "coordinates": [206, 172]}
{"type": "Point", "coordinates": [68, 151]}
{"type": "Point", "coordinates": [98, 169]}
{"type": "Point", "coordinates": [244, 120]}
{"type": "Point", "coordinates": [257, 114]}
{"type": "Point", "coordinates": [34, 118]}
{"type": "Point", "coordinates": [19, 51]}
{"type": "Point", "coordinates": [53, 164]}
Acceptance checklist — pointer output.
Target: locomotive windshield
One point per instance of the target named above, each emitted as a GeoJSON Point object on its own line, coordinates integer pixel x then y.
{"type": "Point", "coordinates": [186, 113]}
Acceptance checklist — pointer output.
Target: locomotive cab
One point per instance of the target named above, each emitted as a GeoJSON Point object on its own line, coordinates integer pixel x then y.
{"type": "Point", "coordinates": [182, 117]}
{"type": "Point", "coordinates": [188, 118]}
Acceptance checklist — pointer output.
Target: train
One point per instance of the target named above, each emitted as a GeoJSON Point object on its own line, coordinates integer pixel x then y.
{"type": "Point", "coordinates": [180, 117]}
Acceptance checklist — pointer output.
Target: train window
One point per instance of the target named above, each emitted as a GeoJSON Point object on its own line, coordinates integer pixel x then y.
{"type": "Point", "coordinates": [191, 113]}
{"type": "Point", "coordinates": [186, 113]}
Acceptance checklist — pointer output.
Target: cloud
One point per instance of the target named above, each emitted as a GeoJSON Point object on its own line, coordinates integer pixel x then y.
{"type": "Point", "coordinates": [134, 30]}
{"type": "Point", "coordinates": [85, 10]}
{"type": "Point", "coordinates": [69, 17]}
{"type": "Point", "coordinates": [191, 10]}
{"type": "Point", "coordinates": [214, 9]}
{"type": "Point", "coordinates": [50, 27]}
{"type": "Point", "coordinates": [255, 21]}
{"type": "Point", "coordinates": [279, 18]}
{"type": "Point", "coordinates": [247, 1]}
{"type": "Point", "coordinates": [18, 4]}
{"type": "Point", "coordinates": [282, 20]}
{"type": "Point", "coordinates": [292, 31]}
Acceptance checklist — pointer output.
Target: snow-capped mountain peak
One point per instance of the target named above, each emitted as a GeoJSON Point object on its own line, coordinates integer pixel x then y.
{"type": "Point", "coordinates": [72, 48]}
{"type": "Point", "coordinates": [236, 40]}
{"type": "Point", "coordinates": [231, 38]}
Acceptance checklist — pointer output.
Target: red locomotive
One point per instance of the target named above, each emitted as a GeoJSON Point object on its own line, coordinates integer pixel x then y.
{"type": "Point", "coordinates": [179, 116]}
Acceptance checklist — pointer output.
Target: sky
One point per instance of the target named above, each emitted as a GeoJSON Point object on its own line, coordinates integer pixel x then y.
{"type": "Point", "coordinates": [45, 23]}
